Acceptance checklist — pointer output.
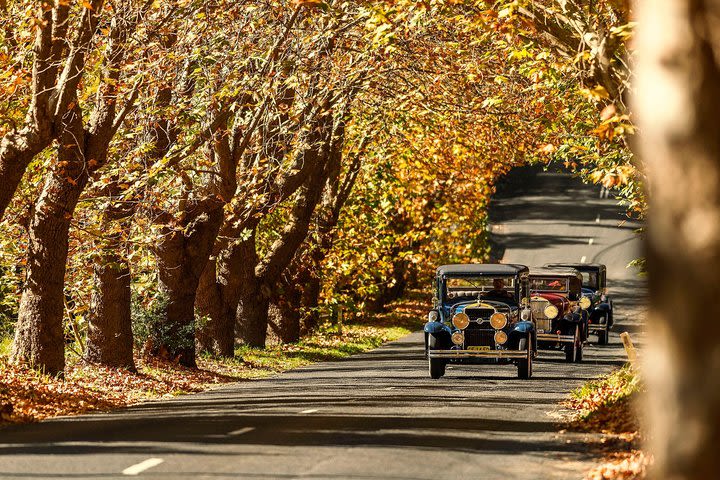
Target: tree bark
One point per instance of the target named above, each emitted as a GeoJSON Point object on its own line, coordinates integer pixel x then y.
{"type": "Point", "coordinates": [678, 52]}
{"type": "Point", "coordinates": [110, 337]}
{"type": "Point", "coordinates": [182, 255]}
{"type": "Point", "coordinates": [39, 335]}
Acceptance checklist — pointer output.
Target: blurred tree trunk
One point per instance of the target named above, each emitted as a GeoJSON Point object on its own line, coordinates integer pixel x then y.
{"type": "Point", "coordinates": [678, 100]}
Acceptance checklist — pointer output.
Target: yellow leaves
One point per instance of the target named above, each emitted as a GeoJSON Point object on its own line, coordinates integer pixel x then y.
{"type": "Point", "coordinates": [597, 93]}
{"type": "Point", "coordinates": [547, 149]}
{"type": "Point", "coordinates": [614, 177]}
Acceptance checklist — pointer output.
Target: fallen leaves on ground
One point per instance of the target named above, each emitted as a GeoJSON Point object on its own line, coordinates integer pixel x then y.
{"type": "Point", "coordinates": [630, 465]}
{"type": "Point", "coordinates": [607, 405]}
{"type": "Point", "coordinates": [28, 396]}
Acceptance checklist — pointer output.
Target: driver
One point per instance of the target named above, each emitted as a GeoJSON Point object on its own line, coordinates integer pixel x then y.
{"type": "Point", "coordinates": [499, 290]}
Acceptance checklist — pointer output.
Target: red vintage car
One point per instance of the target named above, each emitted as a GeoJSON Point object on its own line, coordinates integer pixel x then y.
{"type": "Point", "coordinates": [559, 310]}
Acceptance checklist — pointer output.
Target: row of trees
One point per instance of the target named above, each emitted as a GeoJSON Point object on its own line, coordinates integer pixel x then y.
{"type": "Point", "coordinates": [223, 169]}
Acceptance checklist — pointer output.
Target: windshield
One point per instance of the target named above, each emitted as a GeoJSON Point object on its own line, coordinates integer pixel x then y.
{"type": "Point", "coordinates": [462, 288]}
{"type": "Point", "coordinates": [548, 284]}
{"type": "Point", "coordinates": [590, 280]}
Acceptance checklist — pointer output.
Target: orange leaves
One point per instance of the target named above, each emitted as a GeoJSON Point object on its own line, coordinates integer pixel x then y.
{"type": "Point", "coordinates": [630, 465]}
{"type": "Point", "coordinates": [27, 396]}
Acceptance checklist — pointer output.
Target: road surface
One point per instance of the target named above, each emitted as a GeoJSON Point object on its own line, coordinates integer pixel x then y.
{"type": "Point", "coordinates": [376, 415]}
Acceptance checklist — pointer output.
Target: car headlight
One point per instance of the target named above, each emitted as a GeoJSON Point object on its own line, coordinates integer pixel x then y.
{"type": "Point", "coordinates": [584, 303]}
{"type": "Point", "coordinates": [551, 311]}
{"type": "Point", "coordinates": [498, 320]}
{"type": "Point", "coordinates": [525, 315]}
{"type": "Point", "coordinates": [500, 337]}
{"type": "Point", "coordinates": [433, 316]}
{"type": "Point", "coordinates": [458, 338]}
{"type": "Point", "coordinates": [461, 320]}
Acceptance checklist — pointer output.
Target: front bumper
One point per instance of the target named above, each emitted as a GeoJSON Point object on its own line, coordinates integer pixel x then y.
{"type": "Point", "coordinates": [478, 354]}
{"type": "Point", "coordinates": [555, 338]}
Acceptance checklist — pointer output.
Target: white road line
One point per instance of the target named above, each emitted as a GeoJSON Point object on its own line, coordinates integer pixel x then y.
{"type": "Point", "coordinates": [390, 388]}
{"type": "Point", "coordinates": [142, 466]}
{"type": "Point", "coordinates": [241, 431]}
{"type": "Point", "coordinates": [312, 410]}
{"type": "Point", "coordinates": [597, 219]}
{"type": "Point", "coordinates": [590, 242]}
{"type": "Point", "coordinates": [582, 260]}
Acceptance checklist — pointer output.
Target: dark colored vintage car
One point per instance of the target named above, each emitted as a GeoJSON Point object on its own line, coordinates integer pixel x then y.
{"type": "Point", "coordinates": [594, 287]}
{"type": "Point", "coordinates": [477, 318]}
{"type": "Point", "coordinates": [558, 308]}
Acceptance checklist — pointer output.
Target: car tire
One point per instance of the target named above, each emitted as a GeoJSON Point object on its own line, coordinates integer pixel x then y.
{"type": "Point", "coordinates": [426, 344]}
{"type": "Point", "coordinates": [525, 365]}
{"type": "Point", "coordinates": [572, 348]}
{"type": "Point", "coordinates": [436, 367]}
{"type": "Point", "coordinates": [603, 337]}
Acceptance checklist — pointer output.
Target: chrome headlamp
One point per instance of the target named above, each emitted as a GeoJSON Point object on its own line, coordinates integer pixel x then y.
{"type": "Point", "coordinates": [500, 337]}
{"type": "Point", "coordinates": [458, 338]}
{"type": "Point", "coordinates": [551, 311]}
{"type": "Point", "coordinates": [525, 315]}
{"type": "Point", "coordinates": [433, 316]}
{"type": "Point", "coordinates": [585, 303]}
{"type": "Point", "coordinates": [461, 320]}
{"type": "Point", "coordinates": [498, 320]}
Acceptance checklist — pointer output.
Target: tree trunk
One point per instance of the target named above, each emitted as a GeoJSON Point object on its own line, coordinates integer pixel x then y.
{"type": "Point", "coordinates": [284, 313]}
{"type": "Point", "coordinates": [680, 143]}
{"type": "Point", "coordinates": [252, 315]}
{"type": "Point", "coordinates": [183, 254]}
{"type": "Point", "coordinates": [16, 153]}
{"type": "Point", "coordinates": [110, 337]}
{"type": "Point", "coordinates": [39, 338]}
{"type": "Point", "coordinates": [217, 334]}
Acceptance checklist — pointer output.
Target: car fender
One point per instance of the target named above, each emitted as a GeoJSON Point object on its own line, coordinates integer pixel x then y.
{"type": "Point", "coordinates": [603, 307]}
{"type": "Point", "coordinates": [524, 327]}
{"type": "Point", "coordinates": [521, 330]}
{"type": "Point", "coordinates": [437, 328]}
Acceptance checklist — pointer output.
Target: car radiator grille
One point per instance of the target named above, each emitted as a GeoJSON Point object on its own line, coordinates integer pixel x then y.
{"type": "Point", "coordinates": [538, 310]}
{"type": "Point", "coordinates": [479, 313]}
{"type": "Point", "coordinates": [480, 335]}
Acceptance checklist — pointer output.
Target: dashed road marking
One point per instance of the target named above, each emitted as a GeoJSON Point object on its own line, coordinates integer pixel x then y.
{"type": "Point", "coordinates": [312, 410]}
{"type": "Point", "coordinates": [590, 242]}
{"type": "Point", "coordinates": [390, 388]}
{"type": "Point", "coordinates": [582, 260]}
{"type": "Point", "coordinates": [241, 431]}
{"type": "Point", "coordinates": [142, 466]}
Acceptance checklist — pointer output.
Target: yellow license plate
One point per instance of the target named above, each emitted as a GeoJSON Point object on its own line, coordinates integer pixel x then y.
{"type": "Point", "coordinates": [479, 347]}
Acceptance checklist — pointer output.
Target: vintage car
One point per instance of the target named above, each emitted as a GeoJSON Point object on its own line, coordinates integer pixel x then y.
{"type": "Point", "coordinates": [477, 318]}
{"type": "Point", "coordinates": [594, 287]}
{"type": "Point", "coordinates": [559, 310]}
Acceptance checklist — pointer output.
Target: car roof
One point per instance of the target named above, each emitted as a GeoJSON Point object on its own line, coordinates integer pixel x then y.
{"type": "Point", "coordinates": [578, 266]}
{"type": "Point", "coordinates": [482, 269]}
{"type": "Point", "coordinates": [554, 272]}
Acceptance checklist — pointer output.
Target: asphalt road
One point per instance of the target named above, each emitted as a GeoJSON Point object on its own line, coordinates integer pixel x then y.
{"type": "Point", "coordinates": [376, 415]}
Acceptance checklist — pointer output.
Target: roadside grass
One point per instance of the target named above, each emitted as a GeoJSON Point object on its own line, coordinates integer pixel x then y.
{"type": "Point", "coordinates": [5, 346]}
{"type": "Point", "coordinates": [27, 396]}
{"type": "Point", "coordinates": [607, 405]}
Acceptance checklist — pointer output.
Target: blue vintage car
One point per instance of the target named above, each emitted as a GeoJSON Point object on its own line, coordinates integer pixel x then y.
{"type": "Point", "coordinates": [481, 315]}
{"type": "Point", "coordinates": [594, 279]}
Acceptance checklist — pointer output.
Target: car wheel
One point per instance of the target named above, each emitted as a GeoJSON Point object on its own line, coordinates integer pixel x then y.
{"type": "Point", "coordinates": [525, 364]}
{"type": "Point", "coordinates": [571, 348]}
{"type": "Point", "coordinates": [426, 344]}
{"type": "Point", "coordinates": [437, 367]}
{"type": "Point", "coordinates": [603, 336]}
